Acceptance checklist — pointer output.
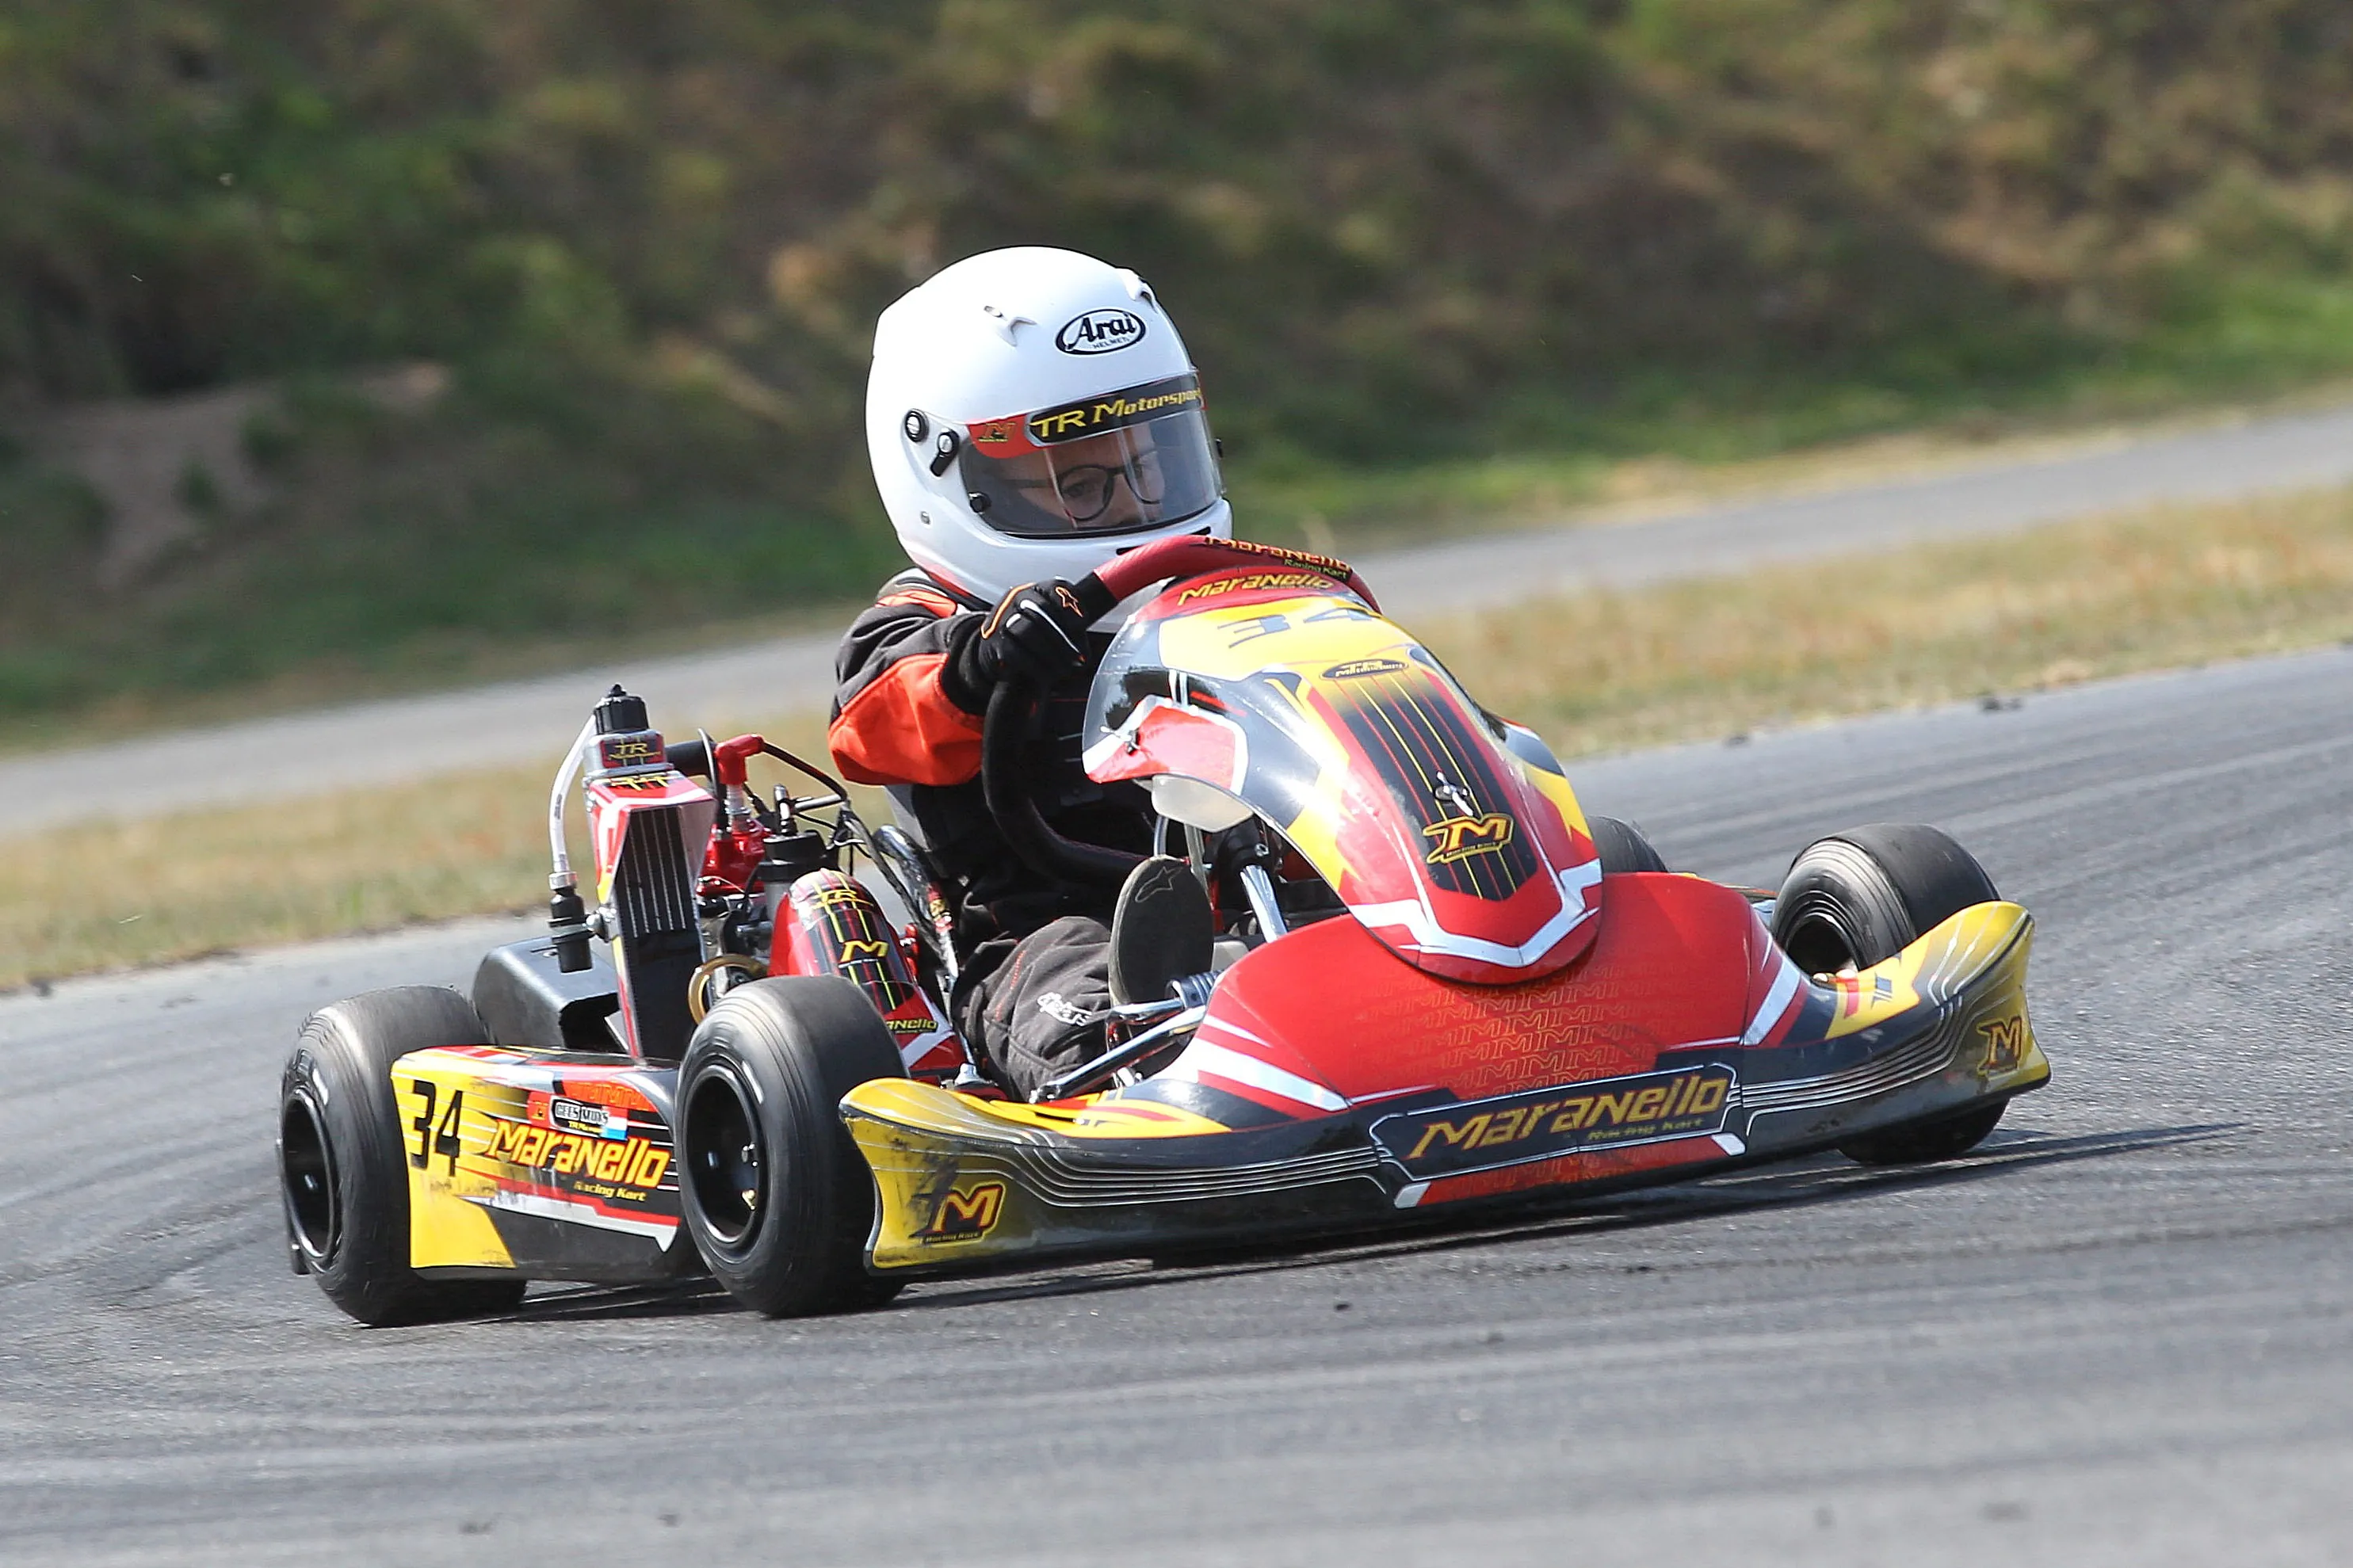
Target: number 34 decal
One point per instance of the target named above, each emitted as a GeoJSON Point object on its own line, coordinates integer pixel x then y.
{"type": "Point", "coordinates": [434, 1138]}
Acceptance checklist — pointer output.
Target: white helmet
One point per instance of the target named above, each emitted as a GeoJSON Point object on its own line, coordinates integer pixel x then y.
{"type": "Point", "coordinates": [1031, 413]}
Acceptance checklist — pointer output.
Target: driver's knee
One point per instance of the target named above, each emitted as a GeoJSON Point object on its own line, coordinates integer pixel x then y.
{"type": "Point", "coordinates": [1042, 1012]}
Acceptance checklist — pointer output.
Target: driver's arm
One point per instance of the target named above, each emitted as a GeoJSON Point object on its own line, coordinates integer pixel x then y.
{"type": "Point", "coordinates": [918, 670]}
{"type": "Point", "coordinates": [901, 716]}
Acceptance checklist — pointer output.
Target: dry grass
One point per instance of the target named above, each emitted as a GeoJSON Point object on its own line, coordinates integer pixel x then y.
{"type": "Point", "coordinates": [113, 895]}
{"type": "Point", "coordinates": [1595, 672]}
{"type": "Point", "coordinates": [2172, 587]}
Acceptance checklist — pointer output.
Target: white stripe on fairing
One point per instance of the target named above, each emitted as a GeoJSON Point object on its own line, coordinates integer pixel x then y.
{"type": "Point", "coordinates": [1428, 936]}
{"type": "Point", "coordinates": [1225, 1028]}
{"type": "Point", "coordinates": [1201, 1056]}
{"type": "Point", "coordinates": [1391, 1094]}
{"type": "Point", "coordinates": [908, 1055]}
{"type": "Point", "coordinates": [577, 1214]}
{"type": "Point", "coordinates": [1777, 1001]}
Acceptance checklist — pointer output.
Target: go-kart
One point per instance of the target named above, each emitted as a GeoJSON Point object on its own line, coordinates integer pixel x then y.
{"type": "Point", "coordinates": [1437, 987]}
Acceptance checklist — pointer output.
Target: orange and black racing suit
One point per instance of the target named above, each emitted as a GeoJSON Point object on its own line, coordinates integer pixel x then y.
{"type": "Point", "coordinates": [1035, 948]}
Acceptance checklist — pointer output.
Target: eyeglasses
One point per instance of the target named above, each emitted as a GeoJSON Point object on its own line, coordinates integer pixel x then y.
{"type": "Point", "coordinates": [1085, 491]}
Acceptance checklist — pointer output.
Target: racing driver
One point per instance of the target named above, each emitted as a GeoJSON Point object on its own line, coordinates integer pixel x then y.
{"type": "Point", "coordinates": [1032, 413]}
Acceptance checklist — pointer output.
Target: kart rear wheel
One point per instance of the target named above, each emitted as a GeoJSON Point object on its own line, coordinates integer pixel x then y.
{"type": "Point", "coordinates": [1623, 847]}
{"type": "Point", "coordinates": [774, 1191]}
{"type": "Point", "coordinates": [1858, 898]}
{"type": "Point", "coordinates": [343, 1165]}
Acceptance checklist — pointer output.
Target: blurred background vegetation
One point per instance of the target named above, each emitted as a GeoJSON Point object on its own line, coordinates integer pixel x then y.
{"type": "Point", "coordinates": [539, 321]}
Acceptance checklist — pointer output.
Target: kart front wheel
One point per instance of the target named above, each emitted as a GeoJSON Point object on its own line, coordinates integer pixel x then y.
{"type": "Point", "coordinates": [1623, 847]}
{"type": "Point", "coordinates": [344, 1169]}
{"type": "Point", "coordinates": [1861, 896]}
{"type": "Point", "coordinates": [774, 1191]}
{"type": "Point", "coordinates": [1921, 1143]}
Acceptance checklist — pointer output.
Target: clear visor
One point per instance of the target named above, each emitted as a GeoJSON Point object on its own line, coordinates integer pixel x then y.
{"type": "Point", "coordinates": [1156, 470]}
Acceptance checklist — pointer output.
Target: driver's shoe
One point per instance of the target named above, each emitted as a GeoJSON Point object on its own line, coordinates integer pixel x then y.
{"type": "Point", "coordinates": [1161, 930]}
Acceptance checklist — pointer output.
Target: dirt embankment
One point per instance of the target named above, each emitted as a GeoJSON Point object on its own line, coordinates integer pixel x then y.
{"type": "Point", "coordinates": [162, 469]}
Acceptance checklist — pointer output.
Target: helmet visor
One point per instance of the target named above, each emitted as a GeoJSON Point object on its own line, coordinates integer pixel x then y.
{"type": "Point", "coordinates": [1122, 462]}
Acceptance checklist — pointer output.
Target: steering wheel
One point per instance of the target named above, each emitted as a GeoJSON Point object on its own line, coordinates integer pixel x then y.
{"type": "Point", "coordinates": [1015, 702]}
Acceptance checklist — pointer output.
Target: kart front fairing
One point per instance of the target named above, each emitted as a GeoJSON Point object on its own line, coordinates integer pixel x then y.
{"type": "Point", "coordinates": [1456, 841]}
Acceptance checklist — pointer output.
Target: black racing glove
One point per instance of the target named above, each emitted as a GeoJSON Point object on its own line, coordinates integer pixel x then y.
{"type": "Point", "coordinates": [1037, 634]}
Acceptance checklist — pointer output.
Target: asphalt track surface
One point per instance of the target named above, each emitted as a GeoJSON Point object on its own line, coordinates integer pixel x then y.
{"type": "Point", "coordinates": [520, 721]}
{"type": "Point", "coordinates": [2122, 1332]}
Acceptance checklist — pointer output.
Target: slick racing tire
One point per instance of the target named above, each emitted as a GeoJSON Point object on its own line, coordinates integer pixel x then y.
{"type": "Point", "coordinates": [1623, 847]}
{"type": "Point", "coordinates": [342, 1164]}
{"type": "Point", "coordinates": [1922, 1142]}
{"type": "Point", "coordinates": [1862, 896]}
{"type": "Point", "coordinates": [774, 1190]}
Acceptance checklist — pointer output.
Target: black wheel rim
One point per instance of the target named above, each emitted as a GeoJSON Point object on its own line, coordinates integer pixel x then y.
{"type": "Point", "coordinates": [306, 1166]}
{"type": "Point", "coordinates": [724, 1159]}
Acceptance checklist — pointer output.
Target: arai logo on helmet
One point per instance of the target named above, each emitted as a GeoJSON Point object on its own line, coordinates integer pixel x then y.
{"type": "Point", "coordinates": [1100, 333]}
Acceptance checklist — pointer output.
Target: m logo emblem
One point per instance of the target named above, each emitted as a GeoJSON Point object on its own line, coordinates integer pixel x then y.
{"type": "Point", "coordinates": [864, 951]}
{"type": "Point", "coordinates": [1460, 838]}
{"type": "Point", "coordinates": [968, 1215]}
{"type": "Point", "coordinates": [2005, 1044]}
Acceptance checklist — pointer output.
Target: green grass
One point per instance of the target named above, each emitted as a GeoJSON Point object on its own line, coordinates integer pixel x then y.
{"type": "Point", "coordinates": [2050, 608]}
{"type": "Point", "coordinates": [1441, 265]}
